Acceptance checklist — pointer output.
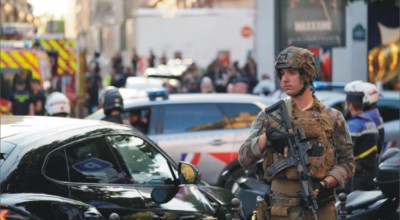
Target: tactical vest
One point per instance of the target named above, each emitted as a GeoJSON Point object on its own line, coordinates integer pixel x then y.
{"type": "Point", "coordinates": [318, 129]}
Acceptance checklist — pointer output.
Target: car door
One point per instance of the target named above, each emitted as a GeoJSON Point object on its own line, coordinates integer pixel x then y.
{"type": "Point", "coordinates": [195, 133]}
{"type": "Point", "coordinates": [157, 180]}
{"type": "Point", "coordinates": [239, 116]}
{"type": "Point", "coordinates": [96, 177]}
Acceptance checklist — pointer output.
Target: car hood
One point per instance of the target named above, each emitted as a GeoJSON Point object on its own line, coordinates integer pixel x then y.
{"type": "Point", "coordinates": [220, 195]}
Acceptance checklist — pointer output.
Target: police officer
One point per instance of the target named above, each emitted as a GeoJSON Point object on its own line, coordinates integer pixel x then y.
{"type": "Point", "coordinates": [113, 105]}
{"type": "Point", "coordinates": [331, 158]}
{"type": "Point", "coordinates": [371, 96]}
{"type": "Point", "coordinates": [57, 105]}
{"type": "Point", "coordinates": [365, 138]}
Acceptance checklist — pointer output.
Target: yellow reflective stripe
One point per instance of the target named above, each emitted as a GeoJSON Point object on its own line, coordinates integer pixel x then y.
{"type": "Point", "coordinates": [60, 63]}
{"type": "Point", "coordinates": [20, 60]}
{"type": "Point", "coordinates": [45, 45]}
{"type": "Point", "coordinates": [366, 153]}
{"type": "Point", "coordinates": [65, 59]}
{"type": "Point", "coordinates": [7, 59]}
{"type": "Point", "coordinates": [3, 64]}
{"type": "Point", "coordinates": [25, 63]}
{"type": "Point", "coordinates": [32, 58]}
{"type": "Point", "coordinates": [72, 64]}
{"type": "Point", "coordinates": [61, 66]}
{"type": "Point", "coordinates": [34, 61]}
{"type": "Point", "coordinates": [57, 47]}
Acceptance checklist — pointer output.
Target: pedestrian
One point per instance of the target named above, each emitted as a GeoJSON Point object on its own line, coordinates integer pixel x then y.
{"type": "Point", "coordinates": [135, 118]}
{"type": "Point", "coordinates": [21, 100]}
{"type": "Point", "coordinates": [331, 156]}
{"type": "Point", "coordinates": [265, 86]}
{"type": "Point", "coordinates": [365, 139]}
{"type": "Point", "coordinates": [94, 85]}
{"type": "Point", "coordinates": [113, 104]}
{"type": "Point", "coordinates": [206, 85]}
{"type": "Point", "coordinates": [57, 105]}
{"type": "Point", "coordinates": [152, 59]}
{"type": "Point", "coordinates": [241, 85]}
{"type": "Point", "coordinates": [38, 96]}
{"type": "Point", "coordinates": [134, 61]}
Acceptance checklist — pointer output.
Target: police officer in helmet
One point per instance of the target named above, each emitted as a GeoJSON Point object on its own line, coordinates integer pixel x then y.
{"type": "Point", "coordinates": [113, 105]}
{"type": "Point", "coordinates": [370, 99]}
{"type": "Point", "coordinates": [331, 156]}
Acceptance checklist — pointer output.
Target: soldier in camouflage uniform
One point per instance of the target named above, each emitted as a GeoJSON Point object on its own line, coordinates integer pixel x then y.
{"type": "Point", "coordinates": [331, 157]}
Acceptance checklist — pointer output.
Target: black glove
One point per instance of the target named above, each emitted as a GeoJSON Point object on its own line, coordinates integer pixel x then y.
{"type": "Point", "coordinates": [324, 189]}
{"type": "Point", "coordinates": [276, 139]}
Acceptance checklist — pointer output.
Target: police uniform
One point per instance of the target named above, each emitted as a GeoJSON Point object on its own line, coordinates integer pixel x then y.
{"type": "Point", "coordinates": [365, 137]}
{"type": "Point", "coordinates": [113, 118]}
{"type": "Point", "coordinates": [331, 154]}
{"type": "Point", "coordinates": [375, 116]}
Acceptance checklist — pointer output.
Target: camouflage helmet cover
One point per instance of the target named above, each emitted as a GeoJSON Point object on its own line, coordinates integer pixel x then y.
{"type": "Point", "coordinates": [297, 58]}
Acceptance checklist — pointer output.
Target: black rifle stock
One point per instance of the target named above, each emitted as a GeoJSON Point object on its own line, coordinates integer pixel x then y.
{"type": "Point", "coordinates": [297, 154]}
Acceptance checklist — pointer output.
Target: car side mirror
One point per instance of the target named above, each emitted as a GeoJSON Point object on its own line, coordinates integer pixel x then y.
{"type": "Point", "coordinates": [188, 173]}
{"type": "Point", "coordinates": [162, 195]}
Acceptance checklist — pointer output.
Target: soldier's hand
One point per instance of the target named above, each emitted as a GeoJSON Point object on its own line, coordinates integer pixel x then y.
{"type": "Point", "coordinates": [319, 187]}
{"type": "Point", "coordinates": [276, 139]}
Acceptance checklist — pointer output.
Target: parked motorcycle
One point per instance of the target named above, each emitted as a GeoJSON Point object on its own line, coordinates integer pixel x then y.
{"type": "Point", "coordinates": [382, 203]}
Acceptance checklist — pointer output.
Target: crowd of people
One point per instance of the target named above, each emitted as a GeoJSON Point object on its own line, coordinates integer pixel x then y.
{"type": "Point", "coordinates": [26, 96]}
{"type": "Point", "coordinates": [219, 76]}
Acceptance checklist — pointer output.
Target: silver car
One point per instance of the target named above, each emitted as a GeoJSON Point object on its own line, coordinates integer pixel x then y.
{"type": "Point", "coordinates": [203, 129]}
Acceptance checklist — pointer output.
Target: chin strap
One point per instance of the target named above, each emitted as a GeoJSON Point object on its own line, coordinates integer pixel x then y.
{"type": "Point", "coordinates": [305, 86]}
{"type": "Point", "coordinates": [302, 90]}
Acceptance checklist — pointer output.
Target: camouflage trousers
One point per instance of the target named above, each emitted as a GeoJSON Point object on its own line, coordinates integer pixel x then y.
{"type": "Point", "coordinates": [326, 212]}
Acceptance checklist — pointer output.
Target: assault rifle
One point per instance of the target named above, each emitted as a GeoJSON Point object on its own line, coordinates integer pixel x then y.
{"type": "Point", "coordinates": [297, 154]}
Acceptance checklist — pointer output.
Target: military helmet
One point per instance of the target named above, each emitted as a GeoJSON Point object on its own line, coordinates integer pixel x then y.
{"type": "Point", "coordinates": [297, 58]}
{"type": "Point", "coordinates": [112, 100]}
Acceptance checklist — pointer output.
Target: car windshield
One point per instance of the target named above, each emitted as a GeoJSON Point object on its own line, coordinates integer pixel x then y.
{"type": "Point", "coordinates": [145, 163]}
{"type": "Point", "coordinates": [5, 150]}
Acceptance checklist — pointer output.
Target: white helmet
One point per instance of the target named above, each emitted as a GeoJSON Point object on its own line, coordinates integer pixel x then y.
{"type": "Point", "coordinates": [371, 92]}
{"type": "Point", "coordinates": [57, 103]}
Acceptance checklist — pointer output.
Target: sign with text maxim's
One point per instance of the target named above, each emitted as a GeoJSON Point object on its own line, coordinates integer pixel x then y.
{"type": "Point", "coordinates": [311, 23]}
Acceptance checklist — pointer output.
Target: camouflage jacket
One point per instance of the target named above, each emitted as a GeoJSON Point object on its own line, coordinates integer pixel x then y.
{"type": "Point", "coordinates": [344, 165]}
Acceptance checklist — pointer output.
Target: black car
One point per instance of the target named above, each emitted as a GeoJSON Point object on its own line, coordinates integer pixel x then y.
{"type": "Point", "coordinates": [112, 167]}
{"type": "Point", "coordinates": [33, 206]}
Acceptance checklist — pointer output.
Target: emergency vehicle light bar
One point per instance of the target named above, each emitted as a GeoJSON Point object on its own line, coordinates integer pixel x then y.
{"type": "Point", "coordinates": [157, 93]}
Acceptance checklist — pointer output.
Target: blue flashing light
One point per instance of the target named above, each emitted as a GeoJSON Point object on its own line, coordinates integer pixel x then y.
{"type": "Point", "coordinates": [157, 93]}
{"type": "Point", "coordinates": [319, 85]}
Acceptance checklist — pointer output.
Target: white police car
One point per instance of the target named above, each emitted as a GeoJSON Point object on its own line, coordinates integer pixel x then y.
{"type": "Point", "coordinates": [203, 129]}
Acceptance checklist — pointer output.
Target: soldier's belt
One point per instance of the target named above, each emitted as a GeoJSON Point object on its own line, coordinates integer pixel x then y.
{"type": "Point", "coordinates": [291, 201]}
{"type": "Point", "coordinates": [284, 201]}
